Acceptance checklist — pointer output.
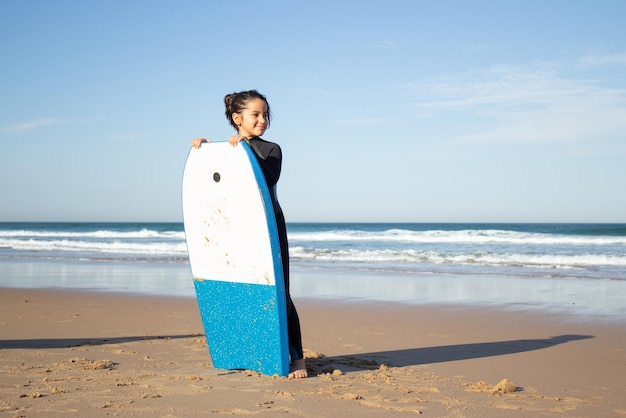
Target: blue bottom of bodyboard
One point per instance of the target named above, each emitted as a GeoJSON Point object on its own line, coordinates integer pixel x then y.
{"type": "Point", "coordinates": [245, 326]}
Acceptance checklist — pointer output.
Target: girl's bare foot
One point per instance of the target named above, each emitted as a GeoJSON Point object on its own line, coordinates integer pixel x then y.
{"type": "Point", "coordinates": [298, 370]}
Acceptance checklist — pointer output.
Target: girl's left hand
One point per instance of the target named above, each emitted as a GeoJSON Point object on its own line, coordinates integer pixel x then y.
{"type": "Point", "coordinates": [235, 140]}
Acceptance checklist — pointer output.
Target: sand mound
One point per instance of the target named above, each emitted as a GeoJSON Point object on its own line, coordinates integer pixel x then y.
{"type": "Point", "coordinates": [503, 386]}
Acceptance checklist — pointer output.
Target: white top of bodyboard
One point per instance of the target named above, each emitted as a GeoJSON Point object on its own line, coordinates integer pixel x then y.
{"type": "Point", "coordinates": [228, 234]}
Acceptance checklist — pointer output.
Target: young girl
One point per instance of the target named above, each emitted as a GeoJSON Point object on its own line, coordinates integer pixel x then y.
{"type": "Point", "coordinates": [249, 113]}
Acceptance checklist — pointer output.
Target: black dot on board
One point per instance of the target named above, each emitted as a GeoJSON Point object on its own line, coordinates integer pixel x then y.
{"type": "Point", "coordinates": [217, 177]}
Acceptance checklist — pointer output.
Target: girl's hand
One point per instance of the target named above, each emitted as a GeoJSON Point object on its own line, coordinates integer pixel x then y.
{"type": "Point", "coordinates": [235, 140]}
{"type": "Point", "coordinates": [196, 143]}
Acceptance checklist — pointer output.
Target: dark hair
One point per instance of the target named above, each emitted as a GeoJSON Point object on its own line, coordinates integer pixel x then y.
{"type": "Point", "coordinates": [236, 102]}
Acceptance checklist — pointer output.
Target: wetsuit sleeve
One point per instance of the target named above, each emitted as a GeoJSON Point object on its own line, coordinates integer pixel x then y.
{"type": "Point", "coordinates": [271, 166]}
{"type": "Point", "coordinates": [270, 161]}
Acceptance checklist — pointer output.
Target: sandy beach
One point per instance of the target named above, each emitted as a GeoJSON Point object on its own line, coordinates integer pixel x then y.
{"type": "Point", "coordinates": [103, 354]}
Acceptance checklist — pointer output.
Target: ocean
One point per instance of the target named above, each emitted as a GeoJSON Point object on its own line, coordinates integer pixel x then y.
{"type": "Point", "coordinates": [562, 265]}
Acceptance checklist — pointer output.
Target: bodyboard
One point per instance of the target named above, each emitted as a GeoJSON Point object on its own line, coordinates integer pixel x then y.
{"type": "Point", "coordinates": [234, 253]}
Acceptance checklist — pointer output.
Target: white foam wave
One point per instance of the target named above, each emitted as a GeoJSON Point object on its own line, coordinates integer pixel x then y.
{"type": "Point", "coordinates": [102, 234]}
{"type": "Point", "coordinates": [486, 236]}
{"type": "Point", "coordinates": [111, 247]}
{"type": "Point", "coordinates": [415, 256]}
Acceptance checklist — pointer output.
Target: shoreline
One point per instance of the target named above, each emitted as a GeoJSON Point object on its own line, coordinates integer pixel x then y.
{"type": "Point", "coordinates": [586, 298]}
{"type": "Point", "coordinates": [101, 353]}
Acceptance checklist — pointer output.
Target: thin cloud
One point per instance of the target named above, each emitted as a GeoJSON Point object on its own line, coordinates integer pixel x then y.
{"type": "Point", "coordinates": [526, 105]}
{"type": "Point", "coordinates": [40, 123]}
{"type": "Point", "coordinates": [27, 126]}
{"type": "Point", "coordinates": [603, 60]}
{"type": "Point", "coordinates": [386, 45]}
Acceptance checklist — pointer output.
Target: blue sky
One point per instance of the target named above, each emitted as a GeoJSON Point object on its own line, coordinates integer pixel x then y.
{"type": "Point", "coordinates": [447, 111]}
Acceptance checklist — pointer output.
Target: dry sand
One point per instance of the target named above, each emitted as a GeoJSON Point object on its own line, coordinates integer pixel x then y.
{"type": "Point", "coordinates": [98, 354]}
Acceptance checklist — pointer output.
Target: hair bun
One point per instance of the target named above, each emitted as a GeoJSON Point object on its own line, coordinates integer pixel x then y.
{"type": "Point", "coordinates": [228, 100]}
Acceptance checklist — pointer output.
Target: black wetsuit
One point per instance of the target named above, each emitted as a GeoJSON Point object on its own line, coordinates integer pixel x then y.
{"type": "Point", "coordinates": [270, 158]}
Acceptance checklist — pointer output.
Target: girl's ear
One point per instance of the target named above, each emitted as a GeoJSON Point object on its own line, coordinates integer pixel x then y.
{"type": "Point", "coordinates": [237, 119]}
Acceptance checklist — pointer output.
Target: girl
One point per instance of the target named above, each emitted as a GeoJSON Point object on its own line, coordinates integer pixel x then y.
{"type": "Point", "coordinates": [249, 113]}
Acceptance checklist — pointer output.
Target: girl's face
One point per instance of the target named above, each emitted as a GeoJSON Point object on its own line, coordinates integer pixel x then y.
{"type": "Point", "coordinates": [253, 119]}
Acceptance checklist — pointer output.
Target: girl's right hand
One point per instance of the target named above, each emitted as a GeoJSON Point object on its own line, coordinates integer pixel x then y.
{"type": "Point", "coordinates": [196, 143]}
